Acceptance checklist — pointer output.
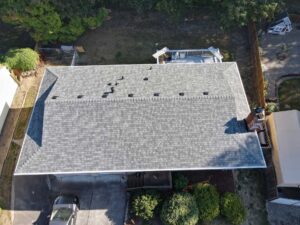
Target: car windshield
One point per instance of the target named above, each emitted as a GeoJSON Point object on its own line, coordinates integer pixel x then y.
{"type": "Point", "coordinates": [61, 214]}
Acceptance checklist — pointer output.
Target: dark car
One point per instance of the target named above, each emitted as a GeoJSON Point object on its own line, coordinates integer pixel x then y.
{"type": "Point", "coordinates": [64, 211]}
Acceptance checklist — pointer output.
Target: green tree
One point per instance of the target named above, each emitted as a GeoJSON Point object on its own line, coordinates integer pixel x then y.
{"type": "Point", "coordinates": [72, 30]}
{"type": "Point", "coordinates": [240, 12]}
{"type": "Point", "coordinates": [23, 59]}
{"type": "Point", "coordinates": [39, 19]}
{"type": "Point", "coordinates": [207, 198]}
{"type": "Point", "coordinates": [233, 209]}
{"type": "Point", "coordinates": [144, 205]}
{"type": "Point", "coordinates": [180, 209]}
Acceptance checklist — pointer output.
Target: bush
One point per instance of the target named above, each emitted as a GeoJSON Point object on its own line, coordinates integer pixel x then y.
{"type": "Point", "coordinates": [180, 182]}
{"type": "Point", "coordinates": [232, 209]}
{"type": "Point", "coordinates": [23, 59]}
{"type": "Point", "coordinates": [272, 107]}
{"type": "Point", "coordinates": [207, 198]}
{"type": "Point", "coordinates": [144, 205]}
{"type": "Point", "coordinates": [180, 209]}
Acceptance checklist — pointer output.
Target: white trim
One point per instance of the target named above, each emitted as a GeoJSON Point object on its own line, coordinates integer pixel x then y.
{"type": "Point", "coordinates": [143, 170]}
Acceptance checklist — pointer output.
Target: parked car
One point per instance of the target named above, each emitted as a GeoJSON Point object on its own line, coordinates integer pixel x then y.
{"type": "Point", "coordinates": [64, 211]}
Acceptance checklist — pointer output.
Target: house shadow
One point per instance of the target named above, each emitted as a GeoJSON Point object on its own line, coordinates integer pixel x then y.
{"type": "Point", "coordinates": [234, 126]}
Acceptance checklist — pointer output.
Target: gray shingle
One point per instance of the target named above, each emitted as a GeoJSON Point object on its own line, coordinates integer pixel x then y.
{"type": "Point", "coordinates": [145, 132]}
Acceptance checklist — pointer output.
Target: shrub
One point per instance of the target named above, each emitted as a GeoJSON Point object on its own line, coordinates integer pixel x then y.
{"type": "Point", "coordinates": [180, 182]}
{"type": "Point", "coordinates": [180, 209]}
{"type": "Point", "coordinates": [23, 59]}
{"type": "Point", "coordinates": [144, 205]}
{"type": "Point", "coordinates": [207, 198]}
{"type": "Point", "coordinates": [272, 107]}
{"type": "Point", "coordinates": [232, 209]}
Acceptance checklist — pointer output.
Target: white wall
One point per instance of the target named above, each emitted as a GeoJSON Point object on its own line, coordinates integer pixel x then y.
{"type": "Point", "coordinates": [8, 89]}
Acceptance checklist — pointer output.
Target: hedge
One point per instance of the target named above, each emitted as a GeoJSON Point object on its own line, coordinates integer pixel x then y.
{"type": "Point", "coordinates": [233, 209]}
{"type": "Point", "coordinates": [23, 59]}
{"type": "Point", "coordinates": [180, 209]}
{"type": "Point", "coordinates": [207, 198]}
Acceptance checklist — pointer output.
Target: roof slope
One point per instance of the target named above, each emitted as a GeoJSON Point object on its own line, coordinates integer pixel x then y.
{"type": "Point", "coordinates": [92, 125]}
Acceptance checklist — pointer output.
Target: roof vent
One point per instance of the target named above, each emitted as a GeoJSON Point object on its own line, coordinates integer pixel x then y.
{"type": "Point", "coordinates": [121, 78]}
{"type": "Point", "coordinates": [156, 94]}
{"type": "Point", "coordinates": [150, 68]}
{"type": "Point", "coordinates": [79, 96]}
{"type": "Point", "coordinates": [112, 90]}
{"type": "Point", "coordinates": [145, 79]}
{"type": "Point", "coordinates": [116, 84]}
{"type": "Point", "coordinates": [205, 93]}
{"type": "Point", "coordinates": [181, 94]}
{"type": "Point", "coordinates": [54, 97]}
{"type": "Point", "coordinates": [130, 95]}
{"type": "Point", "coordinates": [104, 95]}
{"type": "Point", "coordinates": [109, 84]}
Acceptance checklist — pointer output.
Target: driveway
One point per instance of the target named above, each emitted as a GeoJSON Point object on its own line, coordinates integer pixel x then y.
{"type": "Point", "coordinates": [102, 199]}
{"type": "Point", "coordinates": [274, 45]}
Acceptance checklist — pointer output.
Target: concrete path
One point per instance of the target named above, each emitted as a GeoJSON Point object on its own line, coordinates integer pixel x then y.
{"type": "Point", "coordinates": [102, 201]}
{"type": "Point", "coordinates": [274, 45]}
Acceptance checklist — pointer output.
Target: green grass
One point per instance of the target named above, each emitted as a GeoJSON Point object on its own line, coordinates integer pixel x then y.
{"type": "Point", "coordinates": [25, 114]}
{"type": "Point", "coordinates": [289, 94]}
{"type": "Point", "coordinates": [7, 173]}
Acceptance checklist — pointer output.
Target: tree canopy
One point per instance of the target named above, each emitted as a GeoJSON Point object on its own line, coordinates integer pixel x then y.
{"type": "Point", "coordinates": [50, 21]}
{"type": "Point", "coordinates": [65, 21]}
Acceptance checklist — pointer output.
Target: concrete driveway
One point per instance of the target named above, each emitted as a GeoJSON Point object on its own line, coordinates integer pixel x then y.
{"type": "Point", "coordinates": [102, 198]}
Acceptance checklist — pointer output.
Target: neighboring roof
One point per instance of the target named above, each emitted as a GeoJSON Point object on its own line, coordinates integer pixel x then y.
{"type": "Point", "coordinates": [283, 211]}
{"type": "Point", "coordinates": [8, 88]}
{"type": "Point", "coordinates": [286, 142]}
{"type": "Point", "coordinates": [80, 131]}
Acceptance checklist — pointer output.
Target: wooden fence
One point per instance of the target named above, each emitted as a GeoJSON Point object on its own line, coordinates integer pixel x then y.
{"type": "Point", "coordinates": [256, 64]}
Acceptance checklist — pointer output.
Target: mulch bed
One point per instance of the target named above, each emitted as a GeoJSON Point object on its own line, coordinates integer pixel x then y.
{"type": "Point", "coordinates": [222, 179]}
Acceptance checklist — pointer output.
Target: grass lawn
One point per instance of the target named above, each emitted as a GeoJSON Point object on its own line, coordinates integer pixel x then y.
{"type": "Point", "coordinates": [289, 94]}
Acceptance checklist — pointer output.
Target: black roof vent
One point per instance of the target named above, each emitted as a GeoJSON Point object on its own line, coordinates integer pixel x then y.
{"type": "Point", "coordinates": [181, 94]}
{"type": "Point", "coordinates": [150, 68]}
{"type": "Point", "coordinates": [156, 94]}
{"type": "Point", "coordinates": [109, 84]}
{"type": "Point", "coordinates": [130, 95]}
{"type": "Point", "coordinates": [145, 79]}
{"type": "Point", "coordinates": [54, 97]}
{"type": "Point", "coordinates": [121, 78]}
{"type": "Point", "coordinates": [79, 96]}
{"type": "Point", "coordinates": [205, 93]}
{"type": "Point", "coordinates": [116, 84]}
{"type": "Point", "coordinates": [112, 90]}
{"type": "Point", "coordinates": [104, 95]}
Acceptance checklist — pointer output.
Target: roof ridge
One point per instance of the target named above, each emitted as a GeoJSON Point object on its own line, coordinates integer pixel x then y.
{"type": "Point", "coordinates": [139, 99]}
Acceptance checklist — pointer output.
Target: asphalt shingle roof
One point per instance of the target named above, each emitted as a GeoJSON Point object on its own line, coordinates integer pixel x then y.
{"type": "Point", "coordinates": [85, 120]}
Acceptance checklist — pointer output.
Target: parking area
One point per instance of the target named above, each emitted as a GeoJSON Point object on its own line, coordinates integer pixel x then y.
{"type": "Point", "coordinates": [102, 198]}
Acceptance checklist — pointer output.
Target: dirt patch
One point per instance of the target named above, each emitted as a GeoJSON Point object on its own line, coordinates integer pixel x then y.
{"type": "Point", "coordinates": [250, 185]}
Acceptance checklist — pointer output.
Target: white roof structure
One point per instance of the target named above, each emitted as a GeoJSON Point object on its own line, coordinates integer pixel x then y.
{"type": "Point", "coordinates": [8, 88]}
{"type": "Point", "coordinates": [285, 134]}
{"type": "Point", "coordinates": [188, 56]}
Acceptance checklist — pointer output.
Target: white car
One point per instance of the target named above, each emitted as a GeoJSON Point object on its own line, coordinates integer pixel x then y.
{"type": "Point", "coordinates": [64, 211]}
